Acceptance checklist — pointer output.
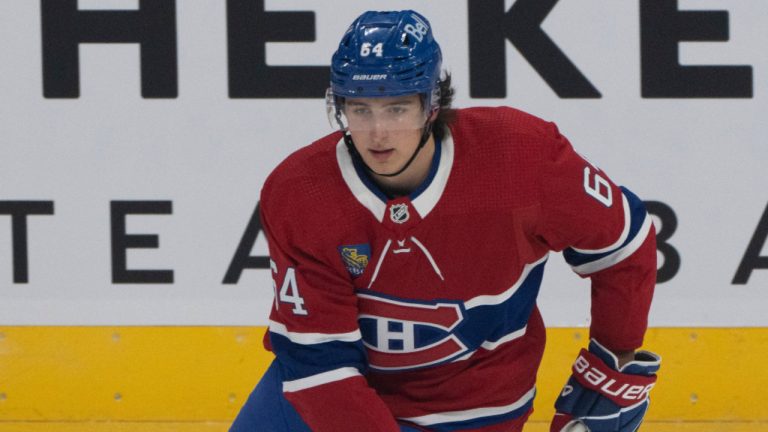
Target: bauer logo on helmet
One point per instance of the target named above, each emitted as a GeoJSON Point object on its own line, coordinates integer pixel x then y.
{"type": "Point", "coordinates": [366, 77]}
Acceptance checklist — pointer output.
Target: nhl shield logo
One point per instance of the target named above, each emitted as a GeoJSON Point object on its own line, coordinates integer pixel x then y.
{"type": "Point", "coordinates": [399, 213]}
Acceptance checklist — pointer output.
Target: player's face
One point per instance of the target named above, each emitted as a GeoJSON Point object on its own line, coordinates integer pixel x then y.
{"type": "Point", "coordinates": [386, 131]}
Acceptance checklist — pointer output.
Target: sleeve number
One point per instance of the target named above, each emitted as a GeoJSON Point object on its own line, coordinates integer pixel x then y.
{"type": "Point", "coordinates": [289, 290]}
{"type": "Point", "coordinates": [366, 50]}
{"type": "Point", "coordinates": [597, 187]}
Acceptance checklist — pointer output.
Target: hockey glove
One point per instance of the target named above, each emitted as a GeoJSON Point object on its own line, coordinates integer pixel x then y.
{"type": "Point", "coordinates": [601, 397]}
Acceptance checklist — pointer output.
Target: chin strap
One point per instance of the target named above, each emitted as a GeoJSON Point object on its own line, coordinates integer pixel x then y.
{"type": "Point", "coordinates": [426, 132]}
{"type": "Point", "coordinates": [354, 153]}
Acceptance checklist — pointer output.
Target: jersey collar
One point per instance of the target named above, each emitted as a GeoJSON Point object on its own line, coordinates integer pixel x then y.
{"type": "Point", "coordinates": [424, 198]}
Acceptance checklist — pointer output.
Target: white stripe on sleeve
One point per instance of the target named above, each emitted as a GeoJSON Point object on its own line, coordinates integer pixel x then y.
{"type": "Point", "coordinates": [471, 414]}
{"type": "Point", "coordinates": [621, 254]}
{"type": "Point", "coordinates": [313, 338]}
{"type": "Point", "coordinates": [320, 379]}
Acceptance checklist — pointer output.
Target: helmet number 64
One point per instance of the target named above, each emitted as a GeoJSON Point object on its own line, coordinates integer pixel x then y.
{"type": "Point", "coordinates": [366, 50]}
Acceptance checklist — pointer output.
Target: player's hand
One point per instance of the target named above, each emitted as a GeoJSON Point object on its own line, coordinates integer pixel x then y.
{"type": "Point", "coordinates": [600, 396]}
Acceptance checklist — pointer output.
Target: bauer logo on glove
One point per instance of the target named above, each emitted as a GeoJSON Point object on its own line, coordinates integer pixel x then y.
{"type": "Point", "coordinates": [591, 373]}
{"type": "Point", "coordinates": [601, 396]}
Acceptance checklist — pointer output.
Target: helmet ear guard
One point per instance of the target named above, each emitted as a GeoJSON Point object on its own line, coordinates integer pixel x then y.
{"type": "Point", "coordinates": [334, 109]}
{"type": "Point", "coordinates": [433, 101]}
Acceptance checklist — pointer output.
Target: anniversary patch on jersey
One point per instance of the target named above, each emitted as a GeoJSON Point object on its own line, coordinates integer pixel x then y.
{"type": "Point", "coordinates": [355, 258]}
{"type": "Point", "coordinates": [399, 213]}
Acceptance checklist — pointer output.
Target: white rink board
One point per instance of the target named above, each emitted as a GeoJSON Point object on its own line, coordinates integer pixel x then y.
{"type": "Point", "coordinates": [208, 154]}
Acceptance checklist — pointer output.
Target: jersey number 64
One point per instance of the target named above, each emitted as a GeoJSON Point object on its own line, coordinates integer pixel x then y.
{"type": "Point", "coordinates": [289, 290]}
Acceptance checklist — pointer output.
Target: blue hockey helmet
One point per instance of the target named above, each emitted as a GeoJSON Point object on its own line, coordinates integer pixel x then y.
{"type": "Point", "coordinates": [386, 54]}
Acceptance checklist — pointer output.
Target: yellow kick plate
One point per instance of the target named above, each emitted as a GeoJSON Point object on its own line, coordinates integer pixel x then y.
{"type": "Point", "coordinates": [204, 374]}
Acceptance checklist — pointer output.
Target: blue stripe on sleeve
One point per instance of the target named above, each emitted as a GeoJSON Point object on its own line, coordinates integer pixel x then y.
{"type": "Point", "coordinates": [301, 361]}
{"type": "Point", "coordinates": [637, 217]}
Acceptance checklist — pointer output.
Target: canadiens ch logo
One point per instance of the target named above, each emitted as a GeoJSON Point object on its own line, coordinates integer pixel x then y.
{"type": "Point", "coordinates": [399, 213]}
{"type": "Point", "coordinates": [399, 334]}
{"type": "Point", "coordinates": [355, 258]}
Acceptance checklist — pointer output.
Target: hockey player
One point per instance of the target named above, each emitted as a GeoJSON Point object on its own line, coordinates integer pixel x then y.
{"type": "Point", "coordinates": [407, 250]}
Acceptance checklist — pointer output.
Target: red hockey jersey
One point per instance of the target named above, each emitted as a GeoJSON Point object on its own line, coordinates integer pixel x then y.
{"type": "Point", "coordinates": [422, 309]}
